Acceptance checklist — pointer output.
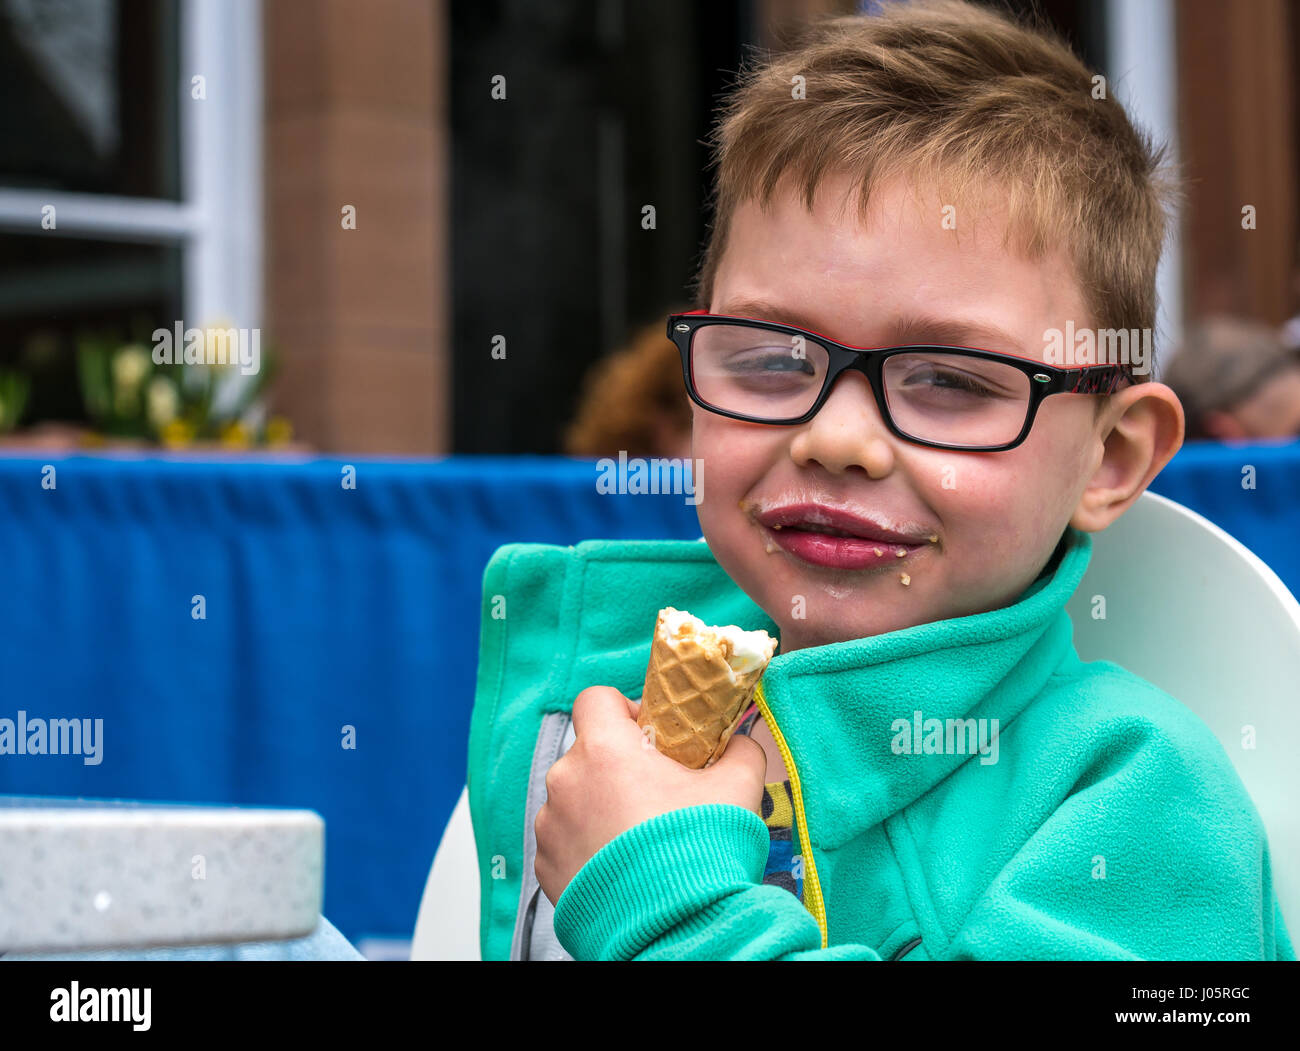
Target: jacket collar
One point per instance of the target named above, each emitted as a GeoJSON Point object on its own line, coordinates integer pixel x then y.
{"type": "Point", "coordinates": [848, 711]}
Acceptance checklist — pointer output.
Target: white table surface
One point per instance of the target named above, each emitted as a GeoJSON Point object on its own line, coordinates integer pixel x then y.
{"type": "Point", "coordinates": [96, 874]}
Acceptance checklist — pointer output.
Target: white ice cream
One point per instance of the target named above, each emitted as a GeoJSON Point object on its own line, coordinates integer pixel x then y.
{"type": "Point", "coordinates": [749, 649]}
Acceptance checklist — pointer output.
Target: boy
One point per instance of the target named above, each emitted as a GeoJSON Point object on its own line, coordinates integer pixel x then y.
{"type": "Point", "coordinates": [912, 524]}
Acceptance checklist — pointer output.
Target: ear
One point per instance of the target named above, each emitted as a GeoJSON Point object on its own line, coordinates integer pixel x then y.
{"type": "Point", "coordinates": [1140, 430]}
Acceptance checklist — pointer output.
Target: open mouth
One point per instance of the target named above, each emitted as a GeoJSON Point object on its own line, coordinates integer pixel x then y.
{"type": "Point", "coordinates": [821, 530]}
{"type": "Point", "coordinates": [836, 539]}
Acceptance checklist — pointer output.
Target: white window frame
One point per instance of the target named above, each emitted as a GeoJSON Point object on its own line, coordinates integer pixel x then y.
{"type": "Point", "coordinates": [218, 220]}
{"type": "Point", "coordinates": [1142, 56]}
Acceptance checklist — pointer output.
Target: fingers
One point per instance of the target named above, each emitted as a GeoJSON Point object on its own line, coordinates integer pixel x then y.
{"type": "Point", "coordinates": [745, 757]}
{"type": "Point", "coordinates": [599, 707]}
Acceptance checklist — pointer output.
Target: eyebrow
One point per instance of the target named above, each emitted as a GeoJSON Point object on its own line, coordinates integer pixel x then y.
{"type": "Point", "coordinates": [905, 331]}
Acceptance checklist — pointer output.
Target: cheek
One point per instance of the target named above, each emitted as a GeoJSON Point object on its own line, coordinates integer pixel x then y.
{"type": "Point", "coordinates": [1001, 502]}
{"type": "Point", "coordinates": [727, 474]}
{"type": "Point", "coordinates": [736, 458]}
{"type": "Point", "coordinates": [976, 497]}
{"type": "Point", "coordinates": [735, 455]}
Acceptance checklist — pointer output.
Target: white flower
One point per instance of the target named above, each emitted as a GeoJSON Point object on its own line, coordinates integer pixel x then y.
{"type": "Point", "coordinates": [129, 366]}
{"type": "Point", "coordinates": [221, 345]}
{"type": "Point", "coordinates": [163, 402]}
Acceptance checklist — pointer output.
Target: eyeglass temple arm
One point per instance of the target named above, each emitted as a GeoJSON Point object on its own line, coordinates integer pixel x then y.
{"type": "Point", "coordinates": [1095, 379]}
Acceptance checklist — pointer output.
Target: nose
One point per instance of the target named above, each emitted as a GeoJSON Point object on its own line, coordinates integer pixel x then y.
{"type": "Point", "coordinates": [847, 432]}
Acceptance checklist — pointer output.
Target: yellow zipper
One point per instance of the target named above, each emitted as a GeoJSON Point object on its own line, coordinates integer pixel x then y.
{"type": "Point", "coordinates": [812, 888]}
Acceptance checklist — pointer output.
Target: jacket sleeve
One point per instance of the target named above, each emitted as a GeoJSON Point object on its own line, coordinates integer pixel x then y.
{"type": "Point", "coordinates": [1156, 854]}
{"type": "Point", "coordinates": [687, 885]}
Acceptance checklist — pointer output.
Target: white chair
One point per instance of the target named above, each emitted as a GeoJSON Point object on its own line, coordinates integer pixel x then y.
{"type": "Point", "coordinates": [1200, 615]}
{"type": "Point", "coordinates": [1187, 607]}
{"type": "Point", "coordinates": [447, 927]}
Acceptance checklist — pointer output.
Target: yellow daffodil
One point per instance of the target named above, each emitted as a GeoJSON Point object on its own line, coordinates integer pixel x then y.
{"type": "Point", "coordinates": [236, 435]}
{"type": "Point", "coordinates": [279, 431]}
{"type": "Point", "coordinates": [176, 434]}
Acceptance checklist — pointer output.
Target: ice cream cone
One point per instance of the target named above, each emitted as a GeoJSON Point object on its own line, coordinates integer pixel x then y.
{"type": "Point", "coordinates": [698, 684]}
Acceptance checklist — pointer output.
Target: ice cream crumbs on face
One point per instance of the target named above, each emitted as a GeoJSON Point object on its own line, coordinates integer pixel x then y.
{"type": "Point", "coordinates": [746, 650]}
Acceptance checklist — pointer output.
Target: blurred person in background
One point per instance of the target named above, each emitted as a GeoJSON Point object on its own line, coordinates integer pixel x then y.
{"type": "Point", "coordinates": [1290, 330]}
{"type": "Point", "coordinates": [1237, 381]}
{"type": "Point", "coordinates": [635, 401]}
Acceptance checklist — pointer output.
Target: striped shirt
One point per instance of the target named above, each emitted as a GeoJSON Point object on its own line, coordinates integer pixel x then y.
{"type": "Point", "coordinates": [778, 815]}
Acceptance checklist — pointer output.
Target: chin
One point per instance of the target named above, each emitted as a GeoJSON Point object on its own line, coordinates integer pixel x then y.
{"type": "Point", "coordinates": [808, 637]}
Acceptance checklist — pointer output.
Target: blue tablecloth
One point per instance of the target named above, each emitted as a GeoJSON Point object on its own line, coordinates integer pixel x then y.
{"type": "Point", "coordinates": [328, 607]}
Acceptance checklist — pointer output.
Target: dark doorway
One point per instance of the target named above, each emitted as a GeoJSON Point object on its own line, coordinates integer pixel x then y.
{"type": "Point", "coordinates": [606, 106]}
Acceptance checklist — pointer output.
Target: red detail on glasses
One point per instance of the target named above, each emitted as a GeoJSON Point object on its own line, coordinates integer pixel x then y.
{"type": "Point", "coordinates": [1100, 379]}
{"type": "Point", "coordinates": [1105, 381]}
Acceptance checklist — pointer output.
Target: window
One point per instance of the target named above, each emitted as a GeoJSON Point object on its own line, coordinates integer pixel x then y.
{"type": "Point", "coordinates": [130, 177]}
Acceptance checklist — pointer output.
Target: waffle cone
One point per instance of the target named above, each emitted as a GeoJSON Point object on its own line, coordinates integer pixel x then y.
{"type": "Point", "coordinates": [692, 698]}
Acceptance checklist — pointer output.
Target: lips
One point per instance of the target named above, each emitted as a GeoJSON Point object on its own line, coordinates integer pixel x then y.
{"type": "Point", "coordinates": [837, 538]}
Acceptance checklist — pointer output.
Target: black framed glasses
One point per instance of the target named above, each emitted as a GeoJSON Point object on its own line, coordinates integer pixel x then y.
{"type": "Point", "coordinates": [943, 397]}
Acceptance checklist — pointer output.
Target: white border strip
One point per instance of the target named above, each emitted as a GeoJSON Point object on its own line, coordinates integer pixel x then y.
{"type": "Point", "coordinates": [221, 159]}
{"type": "Point", "coordinates": [1142, 56]}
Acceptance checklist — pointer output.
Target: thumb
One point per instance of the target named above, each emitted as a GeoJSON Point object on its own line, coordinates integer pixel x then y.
{"type": "Point", "coordinates": [744, 758]}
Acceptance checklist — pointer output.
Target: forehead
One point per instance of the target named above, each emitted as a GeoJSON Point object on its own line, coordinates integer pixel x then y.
{"type": "Point", "coordinates": [859, 275]}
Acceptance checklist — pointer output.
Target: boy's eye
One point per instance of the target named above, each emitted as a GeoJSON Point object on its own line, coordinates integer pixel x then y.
{"type": "Point", "coordinates": [769, 360]}
{"type": "Point", "coordinates": [952, 380]}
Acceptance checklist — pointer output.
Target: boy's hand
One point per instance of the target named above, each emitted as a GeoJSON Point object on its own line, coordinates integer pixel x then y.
{"type": "Point", "coordinates": [613, 778]}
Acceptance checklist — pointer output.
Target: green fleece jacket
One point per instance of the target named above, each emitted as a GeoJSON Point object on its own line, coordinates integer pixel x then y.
{"type": "Point", "coordinates": [964, 789]}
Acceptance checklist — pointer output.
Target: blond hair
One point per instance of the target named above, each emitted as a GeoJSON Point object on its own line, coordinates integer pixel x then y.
{"type": "Point", "coordinates": [972, 102]}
